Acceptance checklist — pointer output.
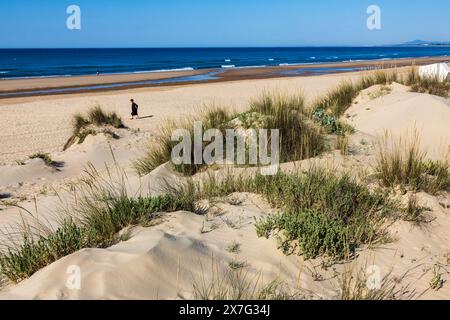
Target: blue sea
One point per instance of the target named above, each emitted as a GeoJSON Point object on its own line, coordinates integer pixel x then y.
{"type": "Point", "coordinates": [30, 63]}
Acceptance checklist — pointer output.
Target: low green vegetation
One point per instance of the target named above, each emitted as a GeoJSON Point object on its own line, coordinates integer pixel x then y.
{"type": "Point", "coordinates": [85, 125]}
{"type": "Point", "coordinates": [324, 214]}
{"type": "Point", "coordinates": [321, 213]}
{"type": "Point", "coordinates": [101, 211]}
{"type": "Point", "coordinates": [437, 282]}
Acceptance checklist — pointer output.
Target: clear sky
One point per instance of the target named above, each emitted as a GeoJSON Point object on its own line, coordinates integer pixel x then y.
{"type": "Point", "coordinates": [194, 23]}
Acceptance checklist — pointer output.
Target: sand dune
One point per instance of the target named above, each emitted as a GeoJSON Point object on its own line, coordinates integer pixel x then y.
{"type": "Point", "coordinates": [401, 112]}
{"type": "Point", "coordinates": [166, 261]}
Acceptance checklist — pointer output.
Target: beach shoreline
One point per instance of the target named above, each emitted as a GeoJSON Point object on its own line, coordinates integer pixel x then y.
{"type": "Point", "coordinates": [13, 88]}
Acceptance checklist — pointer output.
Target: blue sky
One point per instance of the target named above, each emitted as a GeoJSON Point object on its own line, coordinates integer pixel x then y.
{"type": "Point", "coordinates": [193, 23]}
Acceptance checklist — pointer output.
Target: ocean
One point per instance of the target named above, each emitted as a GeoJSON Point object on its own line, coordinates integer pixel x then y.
{"type": "Point", "coordinates": [31, 63]}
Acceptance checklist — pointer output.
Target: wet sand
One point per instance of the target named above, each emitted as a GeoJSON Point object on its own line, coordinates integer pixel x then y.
{"type": "Point", "coordinates": [130, 81]}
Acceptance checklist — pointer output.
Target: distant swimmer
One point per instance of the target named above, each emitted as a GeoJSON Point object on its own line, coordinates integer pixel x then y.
{"type": "Point", "coordinates": [134, 110]}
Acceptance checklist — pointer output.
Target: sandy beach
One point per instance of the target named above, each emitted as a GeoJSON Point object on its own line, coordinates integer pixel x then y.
{"type": "Point", "coordinates": [131, 81]}
{"type": "Point", "coordinates": [163, 261]}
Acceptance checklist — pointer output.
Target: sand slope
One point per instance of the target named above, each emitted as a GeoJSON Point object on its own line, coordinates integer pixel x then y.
{"type": "Point", "coordinates": [400, 113]}
{"type": "Point", "coordinates": [166, 260]}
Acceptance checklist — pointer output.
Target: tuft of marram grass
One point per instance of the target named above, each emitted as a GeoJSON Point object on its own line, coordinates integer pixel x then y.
{"type": "Point", "coordinates": [328, 109]}
{"type": "Point", "coordinates": [83, 124]}
{"type": "Point", "coordinates": [160, 150]}
{"type": "Point", "coordinates": [340, 99]}
{"type": "Point", "coordinates": [44, 156]}
{"type": "Point", "coordinates": [354, 286]}
{"type": "Point", "coordinates": [224, 283]}
{"type": "Point", "coordinates": [400, 162]}
{"type": "Point", "coordinates": [300, 138]}
{"type": "Point", "coordinates": [430, 85]}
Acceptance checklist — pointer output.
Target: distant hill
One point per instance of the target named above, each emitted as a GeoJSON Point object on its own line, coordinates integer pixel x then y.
{"type": "Point", "coordinates": [422, 43]}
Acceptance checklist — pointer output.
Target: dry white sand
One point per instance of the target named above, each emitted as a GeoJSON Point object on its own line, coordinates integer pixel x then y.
{"type": "Point", "coordinates": [165, 261]}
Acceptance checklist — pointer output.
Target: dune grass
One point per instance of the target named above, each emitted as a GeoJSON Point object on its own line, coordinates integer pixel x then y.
{"type": "Point", "coordinates": [328, 109]}
{"type": "Point", "coordinates": [430, 85]}
{"type": "Point", "coordinates": [224, 283]}
{"type": "Point", "coordinates": [160, 150]}
{"type": "Point", "coordinates": [400, 162]}
{"type": "Point", "coordinates": [300, 138]}
{"type": "Point", "coordinates": [353, 285]}
{"type": "Point", "coordinates": [44, 156]}
{"type": "Point", "coordinates": [101, 209]}
{"type": "Point", "coordinates": [321, 213]}
{"type": "Point", "coordinates": [85, 125]}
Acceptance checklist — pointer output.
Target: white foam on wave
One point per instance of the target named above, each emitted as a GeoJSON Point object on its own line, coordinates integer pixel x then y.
{"type": "Point", "coordinates": [296, 64]}
{"type": "Point", "coordinates": [111, 73]}
{"type": "Point", "coordinates": [162, 70]}
{"type": "Point", "coordinates": [250, 67]}
{"type": "Point", "coordinates": [228, 66]}
{"type": "Point", "coordinates": [271, 59]}
{"type": "Point", "coordinates": [40, 77]}
{"type": "Point", "coordinates": [227, 60]}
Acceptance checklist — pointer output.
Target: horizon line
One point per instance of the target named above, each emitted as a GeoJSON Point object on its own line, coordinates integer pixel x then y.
{"type": "Point", "coordinates": [220, 47]}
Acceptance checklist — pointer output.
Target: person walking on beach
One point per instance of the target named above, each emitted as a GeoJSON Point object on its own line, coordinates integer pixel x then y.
{"type": "Point", "coordinates": [134, 110]}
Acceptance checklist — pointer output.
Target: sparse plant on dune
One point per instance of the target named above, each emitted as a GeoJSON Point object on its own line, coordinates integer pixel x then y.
{"type": "Point", "coordinates": [83, 126]}
{"type": "Point", "coordinates": [319, 214]}
{"type": "Point", "coordinates": [401, 162]}
{"type": "Point", "coordinates": [356, 285]}
{"type": "Point", "coordinates": [436, 282]}
{"type": "Point", "coordinates": [300, 137]}
{"type": "Point", "coordinates": [44, 156]}
{"type": "Point", "coordinates": [160, 150]}
{"type": "Point", "coordinates": [430, 85]}
{"type": "Point", "coordinates": [224, 283]}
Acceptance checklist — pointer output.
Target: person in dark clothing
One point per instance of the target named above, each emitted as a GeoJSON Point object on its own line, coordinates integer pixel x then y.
{"type": "Point", "coordinates": [134, 110]}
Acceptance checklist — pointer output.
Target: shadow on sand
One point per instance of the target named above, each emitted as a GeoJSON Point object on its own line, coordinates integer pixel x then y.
{"type": "Point", "coordinates": [145, 117]}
